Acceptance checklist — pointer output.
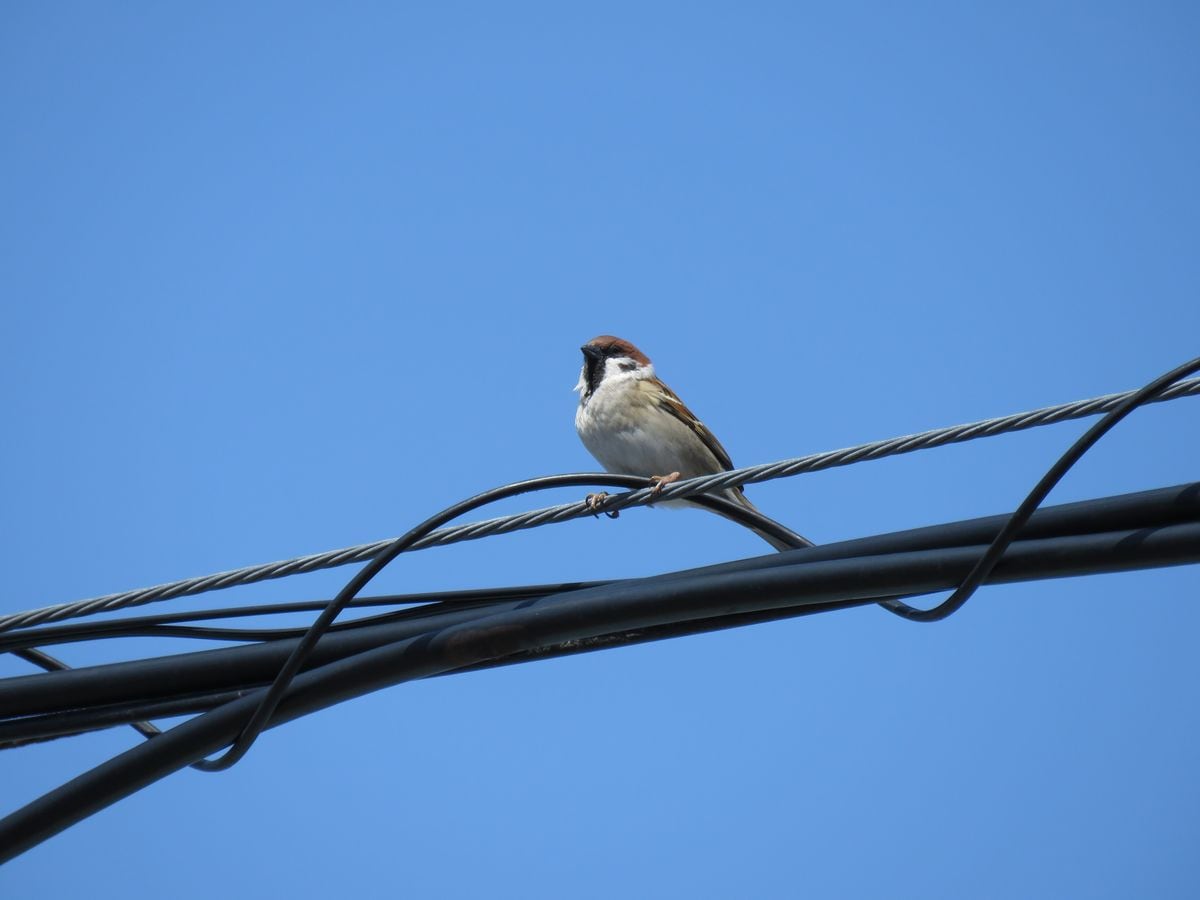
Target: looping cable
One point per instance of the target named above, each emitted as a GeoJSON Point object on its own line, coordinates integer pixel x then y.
{"type": "Point", "coordinates": [1021, 515]}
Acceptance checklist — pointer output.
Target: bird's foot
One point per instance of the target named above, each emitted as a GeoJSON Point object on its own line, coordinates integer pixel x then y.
{"type": "Point", "coordinates": [661, 481]}
{"type": "Point", "coordinates": [595, 501]}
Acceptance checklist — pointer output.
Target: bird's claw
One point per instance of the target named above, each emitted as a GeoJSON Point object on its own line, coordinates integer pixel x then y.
{"type": "Point", "coordinates": [660, 482]}
{"type": "Point", "coordinates": [595, 501]}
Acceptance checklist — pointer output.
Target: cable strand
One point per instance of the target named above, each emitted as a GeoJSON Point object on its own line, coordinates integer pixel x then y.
{"type": "Point", "coordinates": [471, 531]}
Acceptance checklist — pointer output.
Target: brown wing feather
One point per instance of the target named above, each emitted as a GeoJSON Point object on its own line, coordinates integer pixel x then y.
{"type": "Point", "coordinates": [669, 401]}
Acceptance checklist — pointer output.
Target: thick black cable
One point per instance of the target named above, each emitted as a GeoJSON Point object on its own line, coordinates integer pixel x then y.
{"type": "Point", "coordinates": [300, 654]}
{"type": "Point", "coordinates": [1160, 506]}
{"type": "Point", "coordinates": [80, 713]}
{"type": "Point", "coordinates": [50, 663]}
{"type": "Point", "coordinates": [580, 615]}
{"type": "Point", "coordinates": [38, 729]}
{"type": "Point", "coordinates": [1008, 533]}
{"type": "Point", "coordinates": [221, 669]}
{"type": "Point", "coordinates": [30, 729]}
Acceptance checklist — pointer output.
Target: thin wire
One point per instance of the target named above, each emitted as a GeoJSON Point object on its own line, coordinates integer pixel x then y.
{"type": "Point", "coordinates": [678, 490]}
{"type": "Point", "coordinates": [167, 624]}
{"type": "Point", "coordinates": [149, 625]}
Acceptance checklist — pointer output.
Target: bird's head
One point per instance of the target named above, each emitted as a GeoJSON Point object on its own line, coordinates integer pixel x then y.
{"type": "Point", "coordinates": [608, 357]}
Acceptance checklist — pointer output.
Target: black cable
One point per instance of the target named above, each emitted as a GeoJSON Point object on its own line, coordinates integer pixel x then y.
{"type": "Point", "coordinates": [582, 615]}
{"type": "Point", "coordinates": [1160, 506]}
{"type": "Point", "coordinates": [959, 597]}
{"type": "Point", "coordinates": [142, 685]}
{"type": "Point", "coordinates": [1008, 533]}
{"type": "Point", "coordinates": [54, 664]}
{"type": "Point", "coordinates": [573, 617]}
{"type": "Point", "coordinates": [205, 671]}
{"type": "Point", "coordinates": [68, 723]}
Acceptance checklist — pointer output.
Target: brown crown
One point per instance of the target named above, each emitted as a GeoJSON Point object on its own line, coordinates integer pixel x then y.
{"type": "Point", "coordinates": [615, 346]}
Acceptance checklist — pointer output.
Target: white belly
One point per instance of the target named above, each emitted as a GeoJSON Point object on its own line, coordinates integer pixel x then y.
{"type": "Point", "coordinates": [628, 435]}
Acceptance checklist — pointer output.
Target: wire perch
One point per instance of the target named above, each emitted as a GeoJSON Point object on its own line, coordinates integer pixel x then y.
{"type": "Point", "coordinates": [939, 437]}
{"type": "Point", "coordinates": [497, 632]}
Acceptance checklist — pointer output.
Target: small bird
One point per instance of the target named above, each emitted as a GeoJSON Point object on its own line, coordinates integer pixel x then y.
{"type": "Point", "coordinates": [635, 425]}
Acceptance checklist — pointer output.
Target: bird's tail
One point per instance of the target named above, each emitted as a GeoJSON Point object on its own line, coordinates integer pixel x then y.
{"type": "Point", "coordinates": [794, 540]}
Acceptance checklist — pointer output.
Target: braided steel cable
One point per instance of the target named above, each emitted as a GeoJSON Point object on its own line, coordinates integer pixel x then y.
{"type": "Point", "coordinates": [679, 490]}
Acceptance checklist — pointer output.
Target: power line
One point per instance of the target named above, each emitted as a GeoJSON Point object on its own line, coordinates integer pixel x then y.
{"type": "Point", "coordinates": [86, 696]}
{"type": "Point", "coordinates": [284, 677]}
{"type": "Point", "coordinates": [270, 700]}
{"type": "Point", "coordinates": [786, 583]}
{"type": "Point", "coordinates": [751, 474]}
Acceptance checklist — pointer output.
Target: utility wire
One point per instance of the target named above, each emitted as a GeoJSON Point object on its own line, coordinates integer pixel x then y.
{"type": "Point", "coordinates": [53, 664]}
{"type": "Point", "coordinates": [168, 624]}
{"type": "Point", "coordinates": [40, 707]}
{"type": "Point", "coordinates": [752, 474]}
{"type": "Point", "coordinates": [559, 620]}
{"type": "Point", "coordinates": [1155, 508]}
{"type": "Point", "coordinates": [270, 701]}
{"type": "Point", "coordinates": [188, 674]}
{"type": "Point", "coordinates": [491, 635]}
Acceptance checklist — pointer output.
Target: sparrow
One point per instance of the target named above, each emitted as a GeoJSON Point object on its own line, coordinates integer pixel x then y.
{"type": "Point", "coordinates": [633, 424]}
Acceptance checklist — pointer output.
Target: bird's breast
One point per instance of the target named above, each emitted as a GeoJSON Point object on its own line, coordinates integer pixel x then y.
{"type": "Point", "coordinates": [628, 433]}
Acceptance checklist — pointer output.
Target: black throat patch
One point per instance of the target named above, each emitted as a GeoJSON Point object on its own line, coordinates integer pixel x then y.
{"type": "Point", "coordinates": [593, 371]}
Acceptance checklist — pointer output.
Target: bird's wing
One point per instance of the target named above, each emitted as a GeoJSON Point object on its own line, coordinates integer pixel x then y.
{"type": "Point", "coordinates": [668, 401]}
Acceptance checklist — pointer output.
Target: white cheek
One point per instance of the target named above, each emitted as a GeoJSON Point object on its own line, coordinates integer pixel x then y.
{"type": "Point", "coordinates": [618, 367]}
{"type": "Point", "coordinates": [582, 382]}
{"type": "Point", "coordinates": [621, 372]}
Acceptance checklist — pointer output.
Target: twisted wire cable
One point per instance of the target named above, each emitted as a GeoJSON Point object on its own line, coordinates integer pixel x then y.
{"type": "Point", "coordinates": [679, 490]}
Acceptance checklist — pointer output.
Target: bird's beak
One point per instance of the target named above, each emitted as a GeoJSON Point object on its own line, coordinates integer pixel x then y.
{"type": "Point", "coordinates": [591, 351]}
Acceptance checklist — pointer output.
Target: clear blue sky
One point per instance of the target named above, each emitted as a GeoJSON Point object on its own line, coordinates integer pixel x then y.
{"type": "Point", "coordinates": [279, 278]}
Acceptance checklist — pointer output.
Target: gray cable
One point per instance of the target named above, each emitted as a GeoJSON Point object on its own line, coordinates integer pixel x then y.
{"type": "Point", "coordinates": [679, 490]}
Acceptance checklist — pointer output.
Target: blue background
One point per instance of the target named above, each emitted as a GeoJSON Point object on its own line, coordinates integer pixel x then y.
{"type": "Point", "coordinates": [279, 278]}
